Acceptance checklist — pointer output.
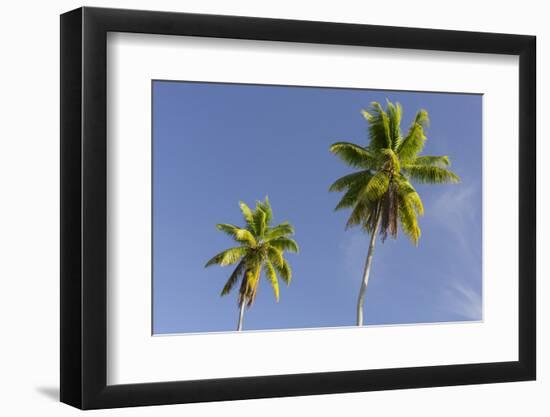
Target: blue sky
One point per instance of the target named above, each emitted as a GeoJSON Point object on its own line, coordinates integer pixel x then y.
{"type": "Point", "coordinates": [216, 144]}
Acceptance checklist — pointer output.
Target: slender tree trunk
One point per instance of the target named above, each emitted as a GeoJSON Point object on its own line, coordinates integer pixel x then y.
{"type": "Point", "coordinates": [241, 315]}
{"type": "Point", "coordinates": [366, 272]}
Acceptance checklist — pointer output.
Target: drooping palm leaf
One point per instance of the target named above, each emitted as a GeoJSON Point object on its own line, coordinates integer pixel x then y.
{"type": "Point", "coordinates": [354, 155]}
{"type": "Point", "coordinates": [228, 256]}
{"type": "Point", "coordinates": [271, 276]}
{"type": "Point", "coordinates": [425, 174]}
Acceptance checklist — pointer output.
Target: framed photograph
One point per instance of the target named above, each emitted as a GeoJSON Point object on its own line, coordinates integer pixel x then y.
{"type": "Point", "coordinates": [257, 208]}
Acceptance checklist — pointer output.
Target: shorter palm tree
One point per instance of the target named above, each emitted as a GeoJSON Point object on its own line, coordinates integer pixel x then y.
{"type": "Point", "coordinates": [261, 248]}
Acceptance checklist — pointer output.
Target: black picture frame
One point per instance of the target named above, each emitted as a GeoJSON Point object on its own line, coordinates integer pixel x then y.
{"type": "Point", "coordinates": [84, 197]}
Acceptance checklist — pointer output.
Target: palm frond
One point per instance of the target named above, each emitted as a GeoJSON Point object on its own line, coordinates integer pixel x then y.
{"type": "Point", "coordinates": [247, 215]}
{"type": "Point", "coordinates": [271, 276]}
{"type": "Point", "coordinates": [240, 235]}
{"type": "Point", "coordinates": [412, 144]}
{"type": "Point", "coordinates": [266, 207]}
{"type": "Point", "coordinates": [284, 244]}
{"type": "Point", "coordinates": [275, 255]}
{"type": "Point", "coordinates": [379, 127]}
{"type": "Point", "coordinates": [409, 221]}
{"type": "Point", "coordinates": [351, 197]}
{"type": "Point", "coordinates": [440, 161]}
{"type": "Point", "coordinates": [347, 181]}
{"type": "Point", "coordinates": [284, 271]}
{"type": "Point", "coordinates": [394, 113]}
{"type": "Point", "coordinates": [359, 214]}
{"type": "Point", "coordinates": [239, 270]}
{"type": "Point", "coordinates": [426, 174]}
{"type": "Point", "coordinates": [282, 229]}
{"type": "Point", "coordinates": [406, 191]}
{"type": "Point", "coordinates": [377, 186]}
{"type": "Point", "coordinates": [253, 280]}
{"type": "Point", "coordinates": [354, 155]}
{"type": "Point", "coordinates": [260, 221]}
{"type": "Point", "coordinates": [228, 256]}
{"type": "Point", "coordinates": [391, 160]}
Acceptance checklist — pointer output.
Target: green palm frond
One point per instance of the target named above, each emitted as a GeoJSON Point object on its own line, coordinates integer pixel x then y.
{"type": "Point", "coordinates": [284, 244]}
{"type": "Point", "coordinates": [284, 271]}
{"type": "Point", "coordinates": [391, 160]}
{"type": "Point", "coordinates": [266, 207]}
{"type": "Point", "coordinates": [347, 181]}
{"type": "Point", "coordinates": [350, 198]}
{"type": "Point", "coordinates": [260, 221]}
{"type": "Point", "coordinates": [425, 174]}
{"type": "Point", "coordinates": [412, 144]}
{"type": "Point", "coordinates": [248, 216]}
{"type": "Point", "coordinates": [394, 113]}
{"type": "Point", "coordinates": [233, 278]}
{"type": "Point", "coordinates": [358, 214]}
{"type": "Point", "coordinates": [228, 256]}
{"type": "Point", "coordinates": [409, 221]}
{"type": "Point", "coordinates": [354, 155]}
{"type": "Point", "coordinates": [240, 235]}
{"type": "Point", "coordinates": [377, 185]}
{"type": "Point", "coordinates": [253, 279]}
{"type": "Point", "coordinates": [275, 255]}
{"type": "Point", "coordinates": [379, 127]}
{"type": "Point", "coordinates": [440, 161]}
{"type": "Point", "coordinates": [406, 191]}
{"type": "Point", "coordinates": [271, 276]}
{"type": "Point", "coordinates": [282, 229]}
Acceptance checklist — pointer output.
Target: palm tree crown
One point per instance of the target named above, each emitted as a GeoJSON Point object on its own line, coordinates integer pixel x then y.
{"type": "Point", "coordinates": [261, 248]}
{"type": "Point", "coordinates": [380, 193]}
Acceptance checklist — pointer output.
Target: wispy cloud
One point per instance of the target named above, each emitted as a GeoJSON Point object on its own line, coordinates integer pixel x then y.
{"type": "Point", "coordinates": [463, 300]}
{"type": "Point", "coordinates": [455, 210]}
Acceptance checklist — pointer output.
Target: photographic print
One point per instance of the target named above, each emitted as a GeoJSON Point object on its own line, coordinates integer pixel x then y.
{"type": "Point", "coordinates": [296, 207]}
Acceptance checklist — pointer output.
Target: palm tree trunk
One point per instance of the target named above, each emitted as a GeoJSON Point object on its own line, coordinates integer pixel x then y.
{"type": "Point", "coordinates": [241, 315]}
{"type": "Point", "coordinates": [366, 271]}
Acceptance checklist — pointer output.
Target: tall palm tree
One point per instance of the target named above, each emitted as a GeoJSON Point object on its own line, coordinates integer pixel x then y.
{"type": "Point", "coordinates": [261, 247]}
{"type": "Point", "coordinates": [380, 193]}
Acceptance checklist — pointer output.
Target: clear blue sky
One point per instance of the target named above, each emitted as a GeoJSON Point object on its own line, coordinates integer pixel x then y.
{"type": "Point", "coordinates": [216, 144]}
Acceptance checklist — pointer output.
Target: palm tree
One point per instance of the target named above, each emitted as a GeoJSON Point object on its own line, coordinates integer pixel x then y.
{"type": "Point", "coordinates": [380, 193]}
{"type": "Point", "coordinates": [261, 247]}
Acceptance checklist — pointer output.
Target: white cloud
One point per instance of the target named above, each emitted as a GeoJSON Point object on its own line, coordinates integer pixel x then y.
{"type": "Point", "coordinates": [462, 300]}
{"type": "Point", "coordinates": [455, 209]}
